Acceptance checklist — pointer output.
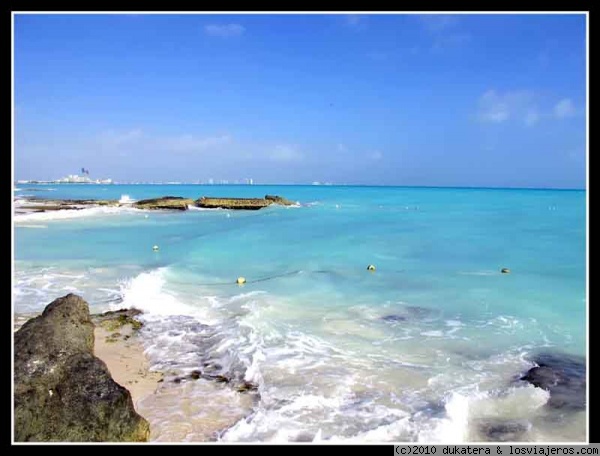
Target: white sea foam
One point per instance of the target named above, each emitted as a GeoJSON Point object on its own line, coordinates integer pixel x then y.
{"type": "Point", "coordinates": [32, 226]}
{"type": "Point", "coordinates": [454, 427]}
{"type": "Point", "coordinates": [126, 199]}
{"type": "Point", "coordinates": [71, 214]}
{"type": "Point", "coordinates": [145, 292]}
{"type": "Point", "coordinates": [191, 207]}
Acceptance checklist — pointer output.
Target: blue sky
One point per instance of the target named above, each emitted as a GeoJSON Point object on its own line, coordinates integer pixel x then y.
{"type": "Point", "coordinates": [402, 99]}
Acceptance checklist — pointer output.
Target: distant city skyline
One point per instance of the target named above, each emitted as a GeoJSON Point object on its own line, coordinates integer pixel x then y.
{"type": "Point", "coordinates": [486, 100]}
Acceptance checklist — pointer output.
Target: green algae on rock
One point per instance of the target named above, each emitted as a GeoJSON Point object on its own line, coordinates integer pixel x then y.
{"type": "Point", "coordinates": [62, 392]}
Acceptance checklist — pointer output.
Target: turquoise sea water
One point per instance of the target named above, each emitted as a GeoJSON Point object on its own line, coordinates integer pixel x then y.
{"type": "Point", "coordinates": [426, 348]}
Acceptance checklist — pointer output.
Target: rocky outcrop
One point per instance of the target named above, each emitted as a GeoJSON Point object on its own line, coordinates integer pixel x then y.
{"type": "Point", "coordinates": [35, 204]}
{"type": "Point", "coordinates": [62, 392]}
{"type": "Point", "coordinates": [166, 202]}
{"type": "Point", "coordinates": [232, 203]}
{"type": "Point", "coordinates": [242, 203]}
{"type": "Point", "coordinates": [563, 376]}
{"type": "Point", "coordinates": [279, 200]}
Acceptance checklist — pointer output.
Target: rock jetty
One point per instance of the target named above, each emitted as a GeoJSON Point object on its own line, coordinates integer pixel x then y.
{"type": "Point", "coordinates": [62, 392]}
{"type": "Point", "coordinates": [166, 202]}
{"type": "Point", "coordinates": [242, 203]}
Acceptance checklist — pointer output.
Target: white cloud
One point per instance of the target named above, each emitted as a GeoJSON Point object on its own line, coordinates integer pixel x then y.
{"type": "Point", "coordinates": [493, 107]}
{"type": "Point", "coordinates": [444, 30]}
{"type": "Point", "coordinates": [354, 20]}
{"type": "Point", "coordinates": [136, 140]}
{"type": "Point", "coordinates": [285, 153]}
{"type": "Point", "coordinates": [376, 55]}
{"type": "Point", "coordinates": [375, 155]}
{"type": "Point", "coordinates": [532, 117]}
{"type": "Point", "coordinates": [115, 139]}
{"type": "Point", "coordinates": [191, 143]}
{"type": "Point", "coordinates": [436, 23]}
{"type": "Point", "coordinates": [497, 107]}
{"type": "Point", "coordinates": [225, 30]}
{"type": "Point", "coordinates": [564, 108]}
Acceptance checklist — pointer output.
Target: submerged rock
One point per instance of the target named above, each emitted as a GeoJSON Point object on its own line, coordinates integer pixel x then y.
{"type": "Point", "coordinates": [563, 376]}
{"type": "Point", "coordinates": [393, 318]}
{"type": "Point", "coordinates": [62, 392]}
{"type": "Point", "coordinates": [503, 430]}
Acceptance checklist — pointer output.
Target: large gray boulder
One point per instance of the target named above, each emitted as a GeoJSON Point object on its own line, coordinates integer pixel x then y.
{"type": "Point", "coordinates": [62, 392]}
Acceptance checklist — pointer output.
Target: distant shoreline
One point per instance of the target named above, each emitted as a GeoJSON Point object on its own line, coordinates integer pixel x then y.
{"type": "Point", "coordinates": [16, 184]}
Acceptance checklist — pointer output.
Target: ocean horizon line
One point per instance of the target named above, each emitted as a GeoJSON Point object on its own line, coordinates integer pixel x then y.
{"type": "Point", "coordinates": [457, 187]}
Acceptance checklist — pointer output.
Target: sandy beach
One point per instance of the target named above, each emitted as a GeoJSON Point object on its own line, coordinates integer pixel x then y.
{"type": "Point", "coordinates": [124, 356]}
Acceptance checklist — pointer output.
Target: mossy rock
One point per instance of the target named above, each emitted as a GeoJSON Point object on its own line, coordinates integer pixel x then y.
{"type": "Point", "coordinates": [62, 392]}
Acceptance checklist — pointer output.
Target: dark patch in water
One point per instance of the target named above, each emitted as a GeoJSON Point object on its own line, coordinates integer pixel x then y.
{"type": "Point", "coordinates": [503, 431]}
{"type": "Point", "coordinates": [303, 437]}
{"type": "Point", "coordinates": [563, 376]}
{"type": "Point", "coordinates": [432, 410]}
{"type": "Point", "coordinates": [419, 312]}
{"type": "Point", "coordinates": [393, 318]}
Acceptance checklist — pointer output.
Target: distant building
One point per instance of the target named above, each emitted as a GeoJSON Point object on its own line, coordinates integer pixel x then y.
{"type": "Point", "coordinates": [76, 179]}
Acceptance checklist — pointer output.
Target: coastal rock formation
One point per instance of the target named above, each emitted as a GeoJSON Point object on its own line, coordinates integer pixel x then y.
{"type": "Point", "coordinates": [279, 200]}
{"type": "Point", "coordinates": [233, 203]}
{"type": "Point", "coordinates": [35, 204]}
{"type": "Point", "coordinates": [563, 376]}
{"type": "Point", "coordinates": [165, 202]}
{"type": "Point", "coordinates": [62, 392]}
{"type": "Point", "coordinates": [242, 203]}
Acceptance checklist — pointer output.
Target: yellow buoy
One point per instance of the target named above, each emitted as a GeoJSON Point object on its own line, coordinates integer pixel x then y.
{"type": "Point", "coordinates": [241, 280]}
{"type": "Point", "coordinates": [370, 267]}
{"type": "Point", "coordinates": [155, 248]}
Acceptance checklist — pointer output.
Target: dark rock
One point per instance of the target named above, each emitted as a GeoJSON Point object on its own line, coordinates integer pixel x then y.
{"type": "Point", "coordinates": [563, 376]}
{"type": "Point", "coordinates": [62, 392]}
{"type": "Point", "coordinates": [166, 202]}
{"type": "Point", "coordinates": [279, 200]}
{"type": "Point", "coordinates": [242, 203]}
{"type": "Point", "coordinates": [233, 203]}
{"type": "Point", "coordinates": [505, 271]}
{"type": "Point", "coordinates": [503, 431]}
{"type": "Point", "coordinates": [196, 374]}
{"type": "Point", "coordinates": [117, 318]}
{"type": "Point", "coordinates": [246, 386]}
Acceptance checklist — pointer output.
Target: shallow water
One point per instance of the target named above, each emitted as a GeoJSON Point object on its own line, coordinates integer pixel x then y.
{"type": "Point", "coordinates": [426, 348]}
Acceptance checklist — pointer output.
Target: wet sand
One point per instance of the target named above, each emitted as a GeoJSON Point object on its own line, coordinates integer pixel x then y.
{"type": "Point", "coordinates": [124, 356]}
